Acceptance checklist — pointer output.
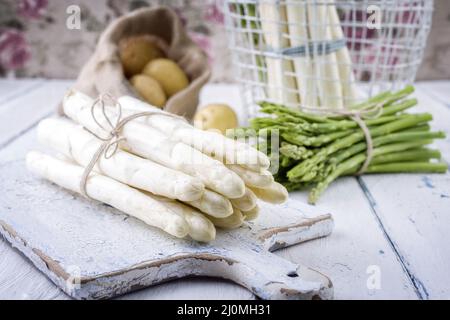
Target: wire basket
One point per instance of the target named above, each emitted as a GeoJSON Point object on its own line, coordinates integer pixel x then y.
{"type": "Point", "coordinates": [324, 53]}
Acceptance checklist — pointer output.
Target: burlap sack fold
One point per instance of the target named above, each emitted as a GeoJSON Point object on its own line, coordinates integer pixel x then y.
{"type": "Point", "coordinates": [103, 72]}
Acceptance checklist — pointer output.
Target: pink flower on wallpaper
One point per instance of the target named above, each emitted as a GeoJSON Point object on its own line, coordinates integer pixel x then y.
{"type": "Point", "coordinates": [32, 9]}
{"type": "Point", "coordinates": [214, 14]}
{"type": "Point", "coordinates": [14, 52]}
{"type": "Point", "coordinates": [203, 42]}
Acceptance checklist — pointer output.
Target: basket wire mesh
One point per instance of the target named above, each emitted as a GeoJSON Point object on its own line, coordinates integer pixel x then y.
{"type": "Point", "coordinates": [324, 53]}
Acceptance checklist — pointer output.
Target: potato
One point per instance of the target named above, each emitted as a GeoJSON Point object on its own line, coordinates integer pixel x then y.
{"type": "Point", "coordinates": [149, 89]}
{"type": "Point", "coordinates": [216, 116]}
{"type": "Point", "coordinates": [136, 52]}
{"type": "Point", "coordinates": [168, 74]}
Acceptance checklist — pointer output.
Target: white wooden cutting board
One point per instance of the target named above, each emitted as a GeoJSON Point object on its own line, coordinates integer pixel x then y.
{"type": "Point", "coordinates": [92, 251]}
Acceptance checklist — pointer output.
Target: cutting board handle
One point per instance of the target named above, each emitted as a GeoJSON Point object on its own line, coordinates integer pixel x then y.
{"type": "Point", "coordinates": [269, 276]}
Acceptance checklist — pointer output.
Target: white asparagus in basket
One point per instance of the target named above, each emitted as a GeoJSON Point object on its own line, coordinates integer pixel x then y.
{"type": "Point", "coordinates": [280, 72]}
{"type": "Point", "coordinates": [304, 65]}
{"type": "Point", "coordinates": [326, 68]}
{"type": "Point", "coordinates": [76, 143]}
{"type": "Point", "coordinates": [109, 191]}
{"type": "Point", "coordinates": [152, 144]}
{"type": "Point", "coordinates": [343, 59]}
{"type": "Point", "coordinates": [210, 143]}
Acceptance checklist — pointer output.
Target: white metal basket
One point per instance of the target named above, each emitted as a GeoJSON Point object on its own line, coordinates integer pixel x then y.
{"type": "Point", "coordinates": [324, 53]}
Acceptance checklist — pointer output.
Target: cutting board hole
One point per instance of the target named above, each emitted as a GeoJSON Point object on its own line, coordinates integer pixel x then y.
{"type": "Point", "coordinates": [292, 274]}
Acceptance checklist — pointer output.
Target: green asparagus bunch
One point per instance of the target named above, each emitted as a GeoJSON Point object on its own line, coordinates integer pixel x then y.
{"type": "Point", "coordinates": [315, 150]}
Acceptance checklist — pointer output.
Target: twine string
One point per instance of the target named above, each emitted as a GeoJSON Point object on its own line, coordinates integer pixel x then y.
{"type": "Point", "coordinates": [369, 112]}
{"type": "Point", "coordinates": [369, 144]}
{"type": "Point", "coordinates": [111, 143]}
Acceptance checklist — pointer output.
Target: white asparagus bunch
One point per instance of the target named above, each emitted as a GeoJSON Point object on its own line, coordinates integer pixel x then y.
{"type": "Point", "coordinates": [75, 143]}
{"type": "Point", "coordinates": [160, 173]}
{"type": "Point", "coordinates": [150, 143]}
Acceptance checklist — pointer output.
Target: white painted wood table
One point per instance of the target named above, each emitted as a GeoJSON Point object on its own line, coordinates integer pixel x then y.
{"type": "Point", "coordinates": [391, 237]}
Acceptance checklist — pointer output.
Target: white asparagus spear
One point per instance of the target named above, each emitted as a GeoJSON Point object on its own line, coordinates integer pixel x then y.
{"type": "Point", "coordinates": [275, 193]}
{"type": "Point", "coordinates": [298, 32]}
{"type": "Point", "coordinates": [251, 178]}
{"type": "Point", "coordinates": [281, 85]}
{"type": "Point", "coordinates": [213, 204]}
{"type": "Point", "coordinates": [343, 59]}
{"type": "Point", "coordinates": [330, 88]}
{"type": "Point", "coordinates": [74, 142]}
{"type": "Point", "coordinates": [109, 191]}
{"type": "Point", "coordinates": [152, 144]}
{"type": "Point", "coordinates": [251, 214]}
{"type": "Point", "coordinates": [200, 227]}
{"type": "Point", "coordinates": [63, 157]}
{"type": "Point", "coordinates": [231, 222]}
{"type": "Point", "coordinates": [210, 143]}
{"type": "Point", "coordinates": [247, 202]}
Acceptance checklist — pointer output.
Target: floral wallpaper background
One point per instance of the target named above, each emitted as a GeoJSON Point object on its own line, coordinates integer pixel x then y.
{"type": "Point", "coordinates": [35, 42]}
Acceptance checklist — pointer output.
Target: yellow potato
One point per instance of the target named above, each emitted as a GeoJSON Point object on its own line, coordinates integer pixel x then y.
{"type": "Point", "coordinates": [149, 89]}
{"type": "Point", "coordinates": [216, 116]}
{"type": "Point", "coordinates": [168, 74]}
{"type": "Point", "coordinates": [136, 52]}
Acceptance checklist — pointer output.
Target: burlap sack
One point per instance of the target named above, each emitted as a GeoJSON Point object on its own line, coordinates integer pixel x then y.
{"type": "Point", "coordinates": [103, 72]}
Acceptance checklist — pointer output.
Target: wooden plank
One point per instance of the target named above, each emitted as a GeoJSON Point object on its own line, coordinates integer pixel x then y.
{"type": "Point", "coordinates": [439, 90]}
{"type": "Point", "coordinates": [12, 89]}
{"type": "Point", "coordinates": [19, 114]}
{"type": "Point", "coordinates": [20, 280]}
{"type": "Point", "coordinates": [355, 250]}
{"type": "Point", "coordinates": [414, 212]}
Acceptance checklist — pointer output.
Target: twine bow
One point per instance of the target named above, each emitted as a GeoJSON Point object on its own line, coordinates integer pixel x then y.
{"type": "Point", "coordinates": [372, 111]}
{"type": "Point", "coordinates": [112, 141]}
